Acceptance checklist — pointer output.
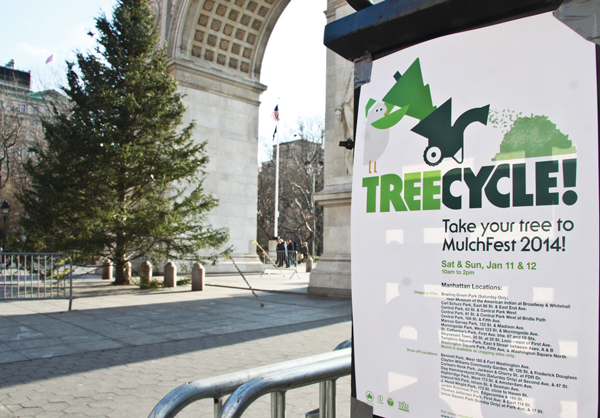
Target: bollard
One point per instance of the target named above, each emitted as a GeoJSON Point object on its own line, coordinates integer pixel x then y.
{"type": "Point", "coordinates": [145, 273]}
{"type": "Point", "coordinates": [309, 263]}
{"type": "Point", "coordinates": [170, 275]}
{"type": "Point", "coordinates": [127, 272]}
{"type": "Point", "coordinates": [313, 414]}
{"type": "Point", "coordinates": [197, 277]}
{"type": "Point", "coordinates": [107, 270]}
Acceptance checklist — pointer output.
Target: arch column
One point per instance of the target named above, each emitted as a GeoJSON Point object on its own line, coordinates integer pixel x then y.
{"type": "Point", "coordinates": [331, 277]}
{"type": "Point", "coordinates": [225, 111]}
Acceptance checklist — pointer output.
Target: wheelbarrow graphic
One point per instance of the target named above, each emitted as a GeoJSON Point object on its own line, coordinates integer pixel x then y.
{"type": "Point", "coordinates": [447, 140]}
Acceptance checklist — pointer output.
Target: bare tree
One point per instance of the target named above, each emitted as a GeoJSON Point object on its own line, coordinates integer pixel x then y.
{"type": "Point", "coordinates": [21, 116]}
{"type": "Point", "coordinates": [295, 187]}
{"type": "Point", "coordinates": [12, 127]}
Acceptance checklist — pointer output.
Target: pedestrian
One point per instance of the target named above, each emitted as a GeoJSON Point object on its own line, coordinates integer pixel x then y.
{"type": "Point", "coordinates": [287, 255]}
{"type": "Point", "coordinates": [280, 252]}
{"type": "Point", "coordinates": [304, 251]}
{"type": "Point", "coordinates": [296, 251]}
{"type": "Point", "coordinates": [291, 253]}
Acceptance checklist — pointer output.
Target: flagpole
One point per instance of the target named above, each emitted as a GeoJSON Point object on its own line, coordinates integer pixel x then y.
{"type": "Point", "coordinates": [276, 185]}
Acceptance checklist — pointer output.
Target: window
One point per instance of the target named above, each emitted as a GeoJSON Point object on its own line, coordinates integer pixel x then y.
{"type": "Point", "coordinates": [22, 109]}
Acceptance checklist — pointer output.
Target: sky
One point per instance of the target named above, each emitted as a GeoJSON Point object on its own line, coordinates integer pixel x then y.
{"type": "Point", "coordinates": [293, 67]}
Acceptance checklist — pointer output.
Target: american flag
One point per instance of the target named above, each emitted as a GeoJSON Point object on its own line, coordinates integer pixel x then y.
{"type": "Point", "coordinates": [275, 114]}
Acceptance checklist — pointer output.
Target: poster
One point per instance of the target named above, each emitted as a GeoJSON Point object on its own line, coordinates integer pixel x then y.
{"type": "Point", "coordinates": [475, 226]}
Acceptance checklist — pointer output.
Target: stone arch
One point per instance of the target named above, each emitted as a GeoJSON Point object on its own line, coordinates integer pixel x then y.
{"type": "Point", "coordinates": [215, 50]}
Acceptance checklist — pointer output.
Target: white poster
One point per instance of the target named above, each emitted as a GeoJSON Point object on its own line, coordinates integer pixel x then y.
{"type": "Point", "coordinates": [475, 227]}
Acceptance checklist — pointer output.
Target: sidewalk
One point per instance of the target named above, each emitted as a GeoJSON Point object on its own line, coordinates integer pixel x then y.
{"type": "Point", "coordinates": [122, 349]}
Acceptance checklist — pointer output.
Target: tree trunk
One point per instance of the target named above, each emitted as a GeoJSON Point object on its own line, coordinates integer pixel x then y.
{"type": "Point", "coordinates": [121, 274]}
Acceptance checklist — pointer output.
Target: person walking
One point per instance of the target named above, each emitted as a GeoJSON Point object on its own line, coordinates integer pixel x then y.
{"type": "Point", "coordinates": [287, 253]}
{"type": "Point", "coordinates": [291, 254]}
{"type": "Point", "coordinates": [280, 252]}
{"type": "Point", "coordinates": [304, 251]}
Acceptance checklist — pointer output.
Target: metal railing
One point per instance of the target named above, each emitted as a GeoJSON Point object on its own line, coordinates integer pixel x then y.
{"type": "Point", "coordinates": [284, 260]}
{"type": "Point", "coordinates": [36, 276]}
{"type": "Point", "coordinates": [248, 385]}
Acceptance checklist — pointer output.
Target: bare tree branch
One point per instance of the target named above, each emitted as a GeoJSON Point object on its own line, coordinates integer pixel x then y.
{"type": "Point", "coordinates": [295, 187]}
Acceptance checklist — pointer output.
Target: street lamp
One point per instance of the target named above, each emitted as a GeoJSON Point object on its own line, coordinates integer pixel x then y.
{"type": "Point", "coordinates": [5, 211]}
{"type": "Point", "coordinates": [314, 172]}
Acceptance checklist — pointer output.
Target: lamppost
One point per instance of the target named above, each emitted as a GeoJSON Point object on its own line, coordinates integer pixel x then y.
{"type": "Point", "coordinates": [314, 172]}
{"type": "Point", "coordinates": [5, 211]}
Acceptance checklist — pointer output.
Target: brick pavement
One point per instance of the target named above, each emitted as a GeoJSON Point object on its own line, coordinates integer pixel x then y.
{"type": "Point", "coordinates": [121, 350]}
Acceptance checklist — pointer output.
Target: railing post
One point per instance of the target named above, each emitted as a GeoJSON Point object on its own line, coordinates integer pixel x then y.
{"type": "Point", "coordinates": [278, 405]}
{"type": "Point", "coordinates": [322, 399]}
{"type": "Point", "coordinates": [70, 283]}
{"type": "Point", "coordinates": [218, 406]}
{"type": "Point", "coordinates": [331, 393]}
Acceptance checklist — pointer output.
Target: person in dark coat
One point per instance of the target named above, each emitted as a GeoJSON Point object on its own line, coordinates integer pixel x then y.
{"type": "Point", "coordinates": [280, 253]}
{"type": "Point", "coordinates": [291, 254]}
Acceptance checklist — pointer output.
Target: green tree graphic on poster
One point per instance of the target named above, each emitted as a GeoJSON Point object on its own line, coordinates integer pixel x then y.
{"type": "Point", "coordinates": [410, 91]}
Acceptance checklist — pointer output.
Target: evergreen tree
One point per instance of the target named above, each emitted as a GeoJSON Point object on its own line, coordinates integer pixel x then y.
{"type": "Point", "coordinates": [117, 175]}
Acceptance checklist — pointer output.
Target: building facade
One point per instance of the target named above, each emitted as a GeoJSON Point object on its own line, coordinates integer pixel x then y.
{"type": "Point", "coordinates": [21, 114]}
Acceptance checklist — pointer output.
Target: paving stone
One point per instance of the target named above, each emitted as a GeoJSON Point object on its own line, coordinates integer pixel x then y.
{"type": "Point", "coordinates": [28, 412]}
{"type": "Point", "coordinates": [33, 343]}
{"type": "Point", "coordinates": [48, 352]}
{"type": "Point", "coordinates": [11, 357]}
{"type": "Point", "coordinates": [55, 406]}
{"type": "Point", "coordinates": [104, 344]}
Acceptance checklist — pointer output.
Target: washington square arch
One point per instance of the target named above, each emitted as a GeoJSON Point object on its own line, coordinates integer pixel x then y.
{"type": "Point", "coordinates": [215, 50]}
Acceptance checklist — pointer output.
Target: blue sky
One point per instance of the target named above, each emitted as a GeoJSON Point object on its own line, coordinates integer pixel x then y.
{"type": "Point", "coordinates": [293, 67]}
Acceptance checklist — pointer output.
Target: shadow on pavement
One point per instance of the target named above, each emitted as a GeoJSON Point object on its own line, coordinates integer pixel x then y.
{"type": "Point", "coordinates": [47, 345]}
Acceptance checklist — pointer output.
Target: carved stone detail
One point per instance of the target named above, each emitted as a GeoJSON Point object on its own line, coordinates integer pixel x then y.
{"type": "Point", "coordinates": [219, 22]}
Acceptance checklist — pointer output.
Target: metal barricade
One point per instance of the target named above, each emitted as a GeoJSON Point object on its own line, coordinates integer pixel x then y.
{"type": "Point", "coordinates": [278, 383]}
{"type": "Point", "coordinates": [247, 386]}
{"type": "Point", "coordinates": [285, 260]}
{"type": "Point", "coordinates": [270, 266]}
{"type": "Point", "coordinates": [36, 276]}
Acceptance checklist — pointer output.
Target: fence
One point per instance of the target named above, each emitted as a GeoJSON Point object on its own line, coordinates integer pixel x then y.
{"type": "Point", "coordinates": [36, 276]}
{"type": "Point", "coordinates": [283, 260]}
{"type": "Point", "coordinates": [248, 385]}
